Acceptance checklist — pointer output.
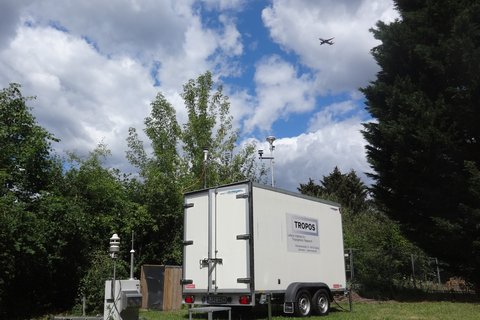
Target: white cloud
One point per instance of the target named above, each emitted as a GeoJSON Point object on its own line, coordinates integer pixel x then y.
{"type": "Point", "coordinates": [280, 92]}
{"type": "Point", "coordinates": [225, 4]}
{"type": "Point", "coordinates": [315, 154]}
{"type": "Point", "coordinates": [168, 32]}
{"type": "Point", "coordinates": [345, 111]}
{"type": "Point", "coordinates": [343, 67]}
{"type": "Point", "coordinates": [242, 105]}
{"type": "Point", "coordinates": [230, 38]}
{"type": "Point", "coordinates": [83, 98]}
{"type": "Point", "coordinates": [9, 20]}
{"type": "Point", "coordinates": [142, 29]}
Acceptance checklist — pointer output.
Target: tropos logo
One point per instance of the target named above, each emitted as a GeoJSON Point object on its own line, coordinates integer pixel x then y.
{"type": "Point", "coordinates": [305, 226]}
{"type": "Point", "coordinates": [302, 234]}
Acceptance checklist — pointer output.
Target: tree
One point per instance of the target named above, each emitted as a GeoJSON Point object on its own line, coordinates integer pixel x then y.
{"type": "Point", "coordinates": [209, 128]}
{"type": "Point", "coordinates": [177, 163]}
{"type": "Point", "coordinates": [104, 205]}
{"type": "Point", "coordinates": [25, 161]}
{"type": "Point", "coordinates": [34, 276]}
{"type": "Point", "coordinates": [160, 188]}
{"type": "Point", "coordinates": [347, 189]}
{"type": "Point", "coordinates": [425, 145]}
{"type": "Point", "coordinates": [55, 216]}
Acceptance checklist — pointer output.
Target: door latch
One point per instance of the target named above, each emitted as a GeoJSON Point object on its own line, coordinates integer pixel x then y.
{"type": "Point", "coordinates": [204, 263]}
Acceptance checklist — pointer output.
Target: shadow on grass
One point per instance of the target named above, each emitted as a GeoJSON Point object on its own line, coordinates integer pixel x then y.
{"type": "Point", "coordinates": [260, 313]}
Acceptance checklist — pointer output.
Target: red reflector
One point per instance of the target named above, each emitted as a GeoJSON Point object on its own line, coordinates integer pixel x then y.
{"type": "Point", "coordinates": [244, 299]}
{"type": "Point", "coordinates": [189, 299]}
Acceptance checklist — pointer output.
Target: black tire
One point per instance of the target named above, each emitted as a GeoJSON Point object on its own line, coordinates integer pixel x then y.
{"type": "Point", "coordinates": [303, 304]}
{"type": "Point", "coordinates": [321, 302]}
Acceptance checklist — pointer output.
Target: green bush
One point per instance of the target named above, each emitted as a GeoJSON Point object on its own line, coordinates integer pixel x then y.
{"type": "Point", "coordinates": [381, 253]}
{"type": "Point", "coordinates": [92, 285]}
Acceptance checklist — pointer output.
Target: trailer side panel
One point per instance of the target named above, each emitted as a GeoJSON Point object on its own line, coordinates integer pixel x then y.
{"type": "Point", "coordinates": [296, 240]}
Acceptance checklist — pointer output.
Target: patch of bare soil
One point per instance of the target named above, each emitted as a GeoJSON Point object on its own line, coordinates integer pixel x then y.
{"type": "Point", "coordinates": [355, 298]}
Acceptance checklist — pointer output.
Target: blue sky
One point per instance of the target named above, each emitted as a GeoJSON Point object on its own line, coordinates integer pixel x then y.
{"type": "Point", "coordinates": [95, 66]}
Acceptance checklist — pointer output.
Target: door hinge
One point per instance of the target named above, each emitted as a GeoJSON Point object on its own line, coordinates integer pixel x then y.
{"type": "Point", "coordinates": [243, 237]}
{"type": "Point", "coordinates": [244, 280]}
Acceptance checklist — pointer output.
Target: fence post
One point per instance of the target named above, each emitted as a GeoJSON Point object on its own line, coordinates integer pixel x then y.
{"type": "Point", "coordinates": [413, 271]}
{"type": "Point", "coordinates": [84, 305]}
{"type": "Point", "coordinates": [438, 271]}
{"type": "Point", "coordinates": [352, 273]}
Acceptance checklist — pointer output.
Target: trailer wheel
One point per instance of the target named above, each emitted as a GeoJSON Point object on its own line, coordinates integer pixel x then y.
{"type": "Point", "coordinates": [321, 302]}
{"type": "Point", "coordinates": [303, 303]}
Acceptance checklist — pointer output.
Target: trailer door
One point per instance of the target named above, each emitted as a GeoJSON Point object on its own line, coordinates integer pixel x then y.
{"type": "Point", "coordinates": [231, 238]}
{"type": "Point", "coordinates": [196, 241]}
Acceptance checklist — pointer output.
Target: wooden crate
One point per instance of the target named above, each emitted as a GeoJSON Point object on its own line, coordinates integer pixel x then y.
{"type": "Point", "coordinates": [160, 286]}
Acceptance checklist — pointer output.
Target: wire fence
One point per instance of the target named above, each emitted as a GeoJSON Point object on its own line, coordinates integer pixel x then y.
{"type": "Point", "coordinates": [367, 270]}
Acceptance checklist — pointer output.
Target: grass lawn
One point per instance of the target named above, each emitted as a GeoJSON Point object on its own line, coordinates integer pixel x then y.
{"type": "Point", "coordinates": [361, 311]}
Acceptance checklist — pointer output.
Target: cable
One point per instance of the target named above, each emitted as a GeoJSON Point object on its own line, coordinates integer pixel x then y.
{"type": "Point", "coordinates": [115, 308]}
{"type": "Point", "coordinates": [335, 301]}
{"type": "Point", "coordinates": [118, 296]}
{"type": "Point", "coordinates": [340, 306]}
{"type": "Point", "coordinates": [112, 294]}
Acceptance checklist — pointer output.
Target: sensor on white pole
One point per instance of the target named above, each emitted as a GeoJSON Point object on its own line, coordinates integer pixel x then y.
{"type": "Point", "coordinates": [270, 140]}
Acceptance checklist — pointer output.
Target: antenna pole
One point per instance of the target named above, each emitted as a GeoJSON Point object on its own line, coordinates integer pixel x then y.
{"type": "Point", "coordinates": [270, 140]}
{"type": "Point", "coordinates": [132, 252]}
{"type": "Point", "coordinates": [272, 162]}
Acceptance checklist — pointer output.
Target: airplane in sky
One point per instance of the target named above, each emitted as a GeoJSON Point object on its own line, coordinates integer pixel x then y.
{"type": "Point", "coordinates": [326, 41]}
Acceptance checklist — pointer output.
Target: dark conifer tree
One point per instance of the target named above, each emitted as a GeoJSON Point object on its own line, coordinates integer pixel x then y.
{"type": "Point", "coordinates": [425, 143]}
{"type": "Point", "coordinates": [347, 189]}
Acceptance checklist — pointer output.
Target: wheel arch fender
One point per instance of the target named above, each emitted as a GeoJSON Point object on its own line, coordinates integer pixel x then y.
{"type": "Point", "coordinates": [294, 287]}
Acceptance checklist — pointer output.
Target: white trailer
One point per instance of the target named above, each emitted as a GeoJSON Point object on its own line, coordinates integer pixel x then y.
{"type": "Point", "coordinates": [245, 243]}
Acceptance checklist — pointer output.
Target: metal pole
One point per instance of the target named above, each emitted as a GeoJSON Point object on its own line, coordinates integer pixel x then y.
{"type": "Point", "coordinates": [272, 162]}
{"type": "Point", "coordinates": [270, 140]}
{"type": "Point", "coordinates": [205, 159]}
{"type": "Point", "coordinates": [271, 169]}
{"type": "Point", "coordinates": [113, 282]}
{"type": "Point", "coordinates": [84, 305]}
{"type": "Point", "coordinates": [352, 273]}
{"type": "Point", "coordinates": [438, 271]}
{"type": "Point", "coordinates": [132, 252]}
{"type": "Point", "coordinates": [269, 301]}
{"type": "Point", "coordinates": [413, 270]}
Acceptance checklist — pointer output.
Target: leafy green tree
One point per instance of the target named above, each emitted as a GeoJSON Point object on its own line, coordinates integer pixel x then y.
{"type": "Point", "coordinates": [54, 217]}
{"type": "Point", "coordinates": [425, 145]}
{"type": "Point", "coordinates": [28, 175]}
{"type": "Point", "coordinates": [209, 127]}
{"type": "Point", "coordinates": [25, 161]}
{"type": "Point", "coordinates": [41, 239]}
{"type": "Point", "coordinates": [159, 189]}
{"type": "Point", "coordinates": [103, 197]}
